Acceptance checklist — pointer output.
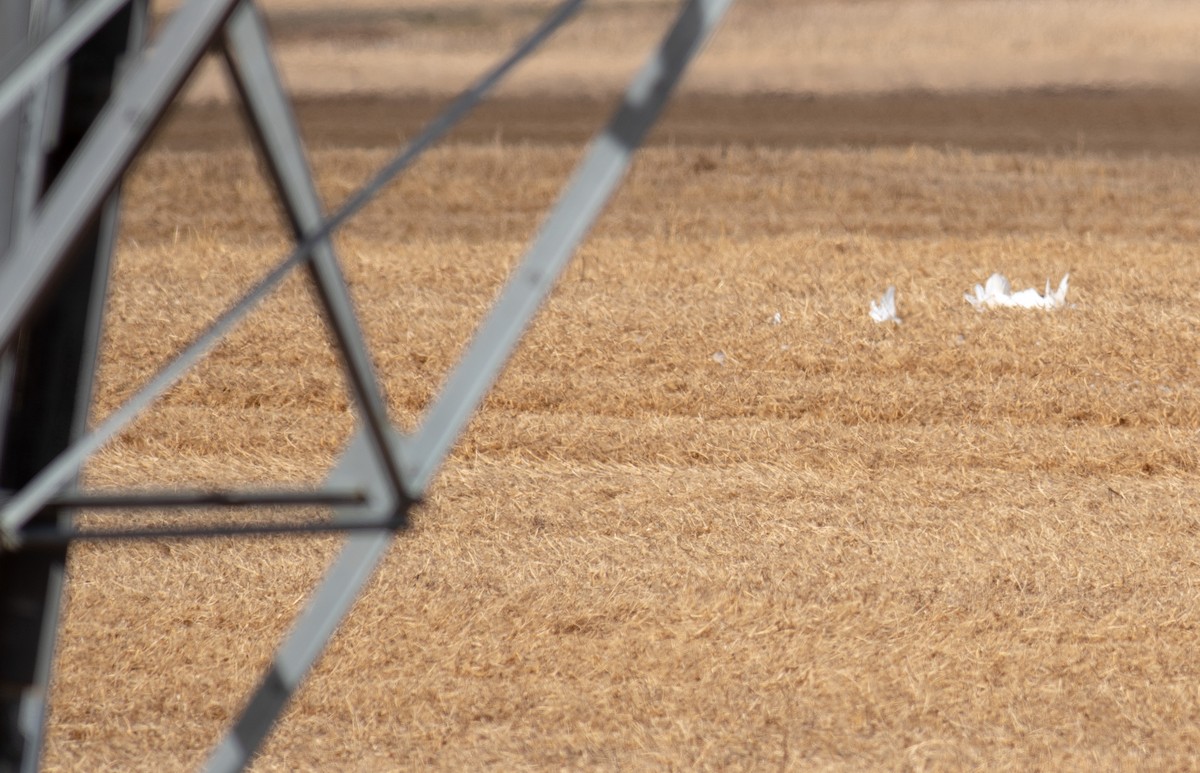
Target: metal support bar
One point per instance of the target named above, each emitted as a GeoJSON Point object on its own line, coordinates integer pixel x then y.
{"type": "Point", "coordinates": [30, 588]}
{"type": "Point", "coordinates": [580, 204]}
{"type": "Point", "coordinates": [177, 499]}
{"type": "Point", "coordinates": [36, 261]}
{"type": "Point", "coordinates": [356, 488]}
{"type": "Point", "coordinates": [51, 366]}
{"type": "Point", "coordinates": [21, 70]}
{"type": "Point", "coordinates": [327, 606]}
{"type": "Point", "coordinates": [590, 189]}
{"type": "Point", "coordinates": [332, 599]}
{"type": "Point", "coordinates": [40, 255]}
{"type": "Point", "coordinates": [57, 475]}
{"type": "Point", "coordinates": [39, 538]}
{"type": "Point", "coordinates": [269, 114]}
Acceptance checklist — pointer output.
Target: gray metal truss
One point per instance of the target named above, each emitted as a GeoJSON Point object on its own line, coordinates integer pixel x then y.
{"type": "Point", "coordinates": [383, 472]}
{"type": "Point", "coordinates": [45, 381]}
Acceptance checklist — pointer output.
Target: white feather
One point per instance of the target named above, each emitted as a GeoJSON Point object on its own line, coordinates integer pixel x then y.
{"type": "Point", "coordinates": [997, 293]}
{"type": "Point", "coordinates": [885, 309]}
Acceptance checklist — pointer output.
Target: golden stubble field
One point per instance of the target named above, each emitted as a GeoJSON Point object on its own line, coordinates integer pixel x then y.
{"type": "Point", "coordinates": [968, 541]}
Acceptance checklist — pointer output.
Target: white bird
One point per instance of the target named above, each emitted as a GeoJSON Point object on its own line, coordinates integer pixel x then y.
{"type": "Point", "coordinates": [998, 293]}
{"type": "Point", "coordinates": [885, 309]}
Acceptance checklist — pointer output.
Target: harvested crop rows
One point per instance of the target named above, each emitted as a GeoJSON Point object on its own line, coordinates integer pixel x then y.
{"type": "Point", "coordinates": [965, 540]}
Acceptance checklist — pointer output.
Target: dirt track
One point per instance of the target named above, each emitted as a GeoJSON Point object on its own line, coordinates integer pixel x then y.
{"type": "Point", "coordinates": [1103, 121]}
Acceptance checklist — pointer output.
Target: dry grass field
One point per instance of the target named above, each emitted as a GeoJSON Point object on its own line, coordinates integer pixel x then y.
{"type": "Point", "coordinates": [965, 542]}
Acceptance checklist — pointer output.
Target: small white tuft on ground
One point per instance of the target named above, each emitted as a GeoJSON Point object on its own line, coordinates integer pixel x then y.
{"type": "Point", "coordinates": [776, 320]}
{"type": "Point", "coordinates": [885, 309]}
{"type": "Point", "coordinates": [719, 358]}
{"type": "Point", "coordinates": [998, 293]}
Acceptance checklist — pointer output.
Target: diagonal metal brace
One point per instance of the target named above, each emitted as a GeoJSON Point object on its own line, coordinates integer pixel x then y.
{"type": "Point", "coordinates": [57, 475]}
{"type": "Point", "coordinates": [23, 69]}
{"type": "Point", "coordinates": [593, 183]}
{"type": "Point", "coordinates": [577, 210]}
{"type": "Point", "coordinates": [269, 113]}
{"type": "Point", "coordinates": [30, 267]}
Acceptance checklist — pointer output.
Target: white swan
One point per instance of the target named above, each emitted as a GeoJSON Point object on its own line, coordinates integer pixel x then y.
{"type": "Point", "coordinates": [885, 309]}
{"type": "Point", "coordinates": [998, 293]}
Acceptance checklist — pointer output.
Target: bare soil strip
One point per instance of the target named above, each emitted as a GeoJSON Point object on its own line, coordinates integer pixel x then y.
{"type": "Point", "coordinates": [1074, 120]}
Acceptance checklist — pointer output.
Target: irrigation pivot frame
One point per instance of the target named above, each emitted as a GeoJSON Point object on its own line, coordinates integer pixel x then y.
{"type": "Point", "coordinates": [56, 241]}
{"type": "Point", "coordinates": [45, 376]}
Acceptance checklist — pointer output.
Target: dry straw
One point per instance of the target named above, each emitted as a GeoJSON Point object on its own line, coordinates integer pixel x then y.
{"type": "Point", "coordinates": [964, 541]}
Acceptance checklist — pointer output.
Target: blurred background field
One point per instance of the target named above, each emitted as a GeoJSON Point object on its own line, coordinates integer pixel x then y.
{"type": "Point", "coordinates": [967, 541]}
